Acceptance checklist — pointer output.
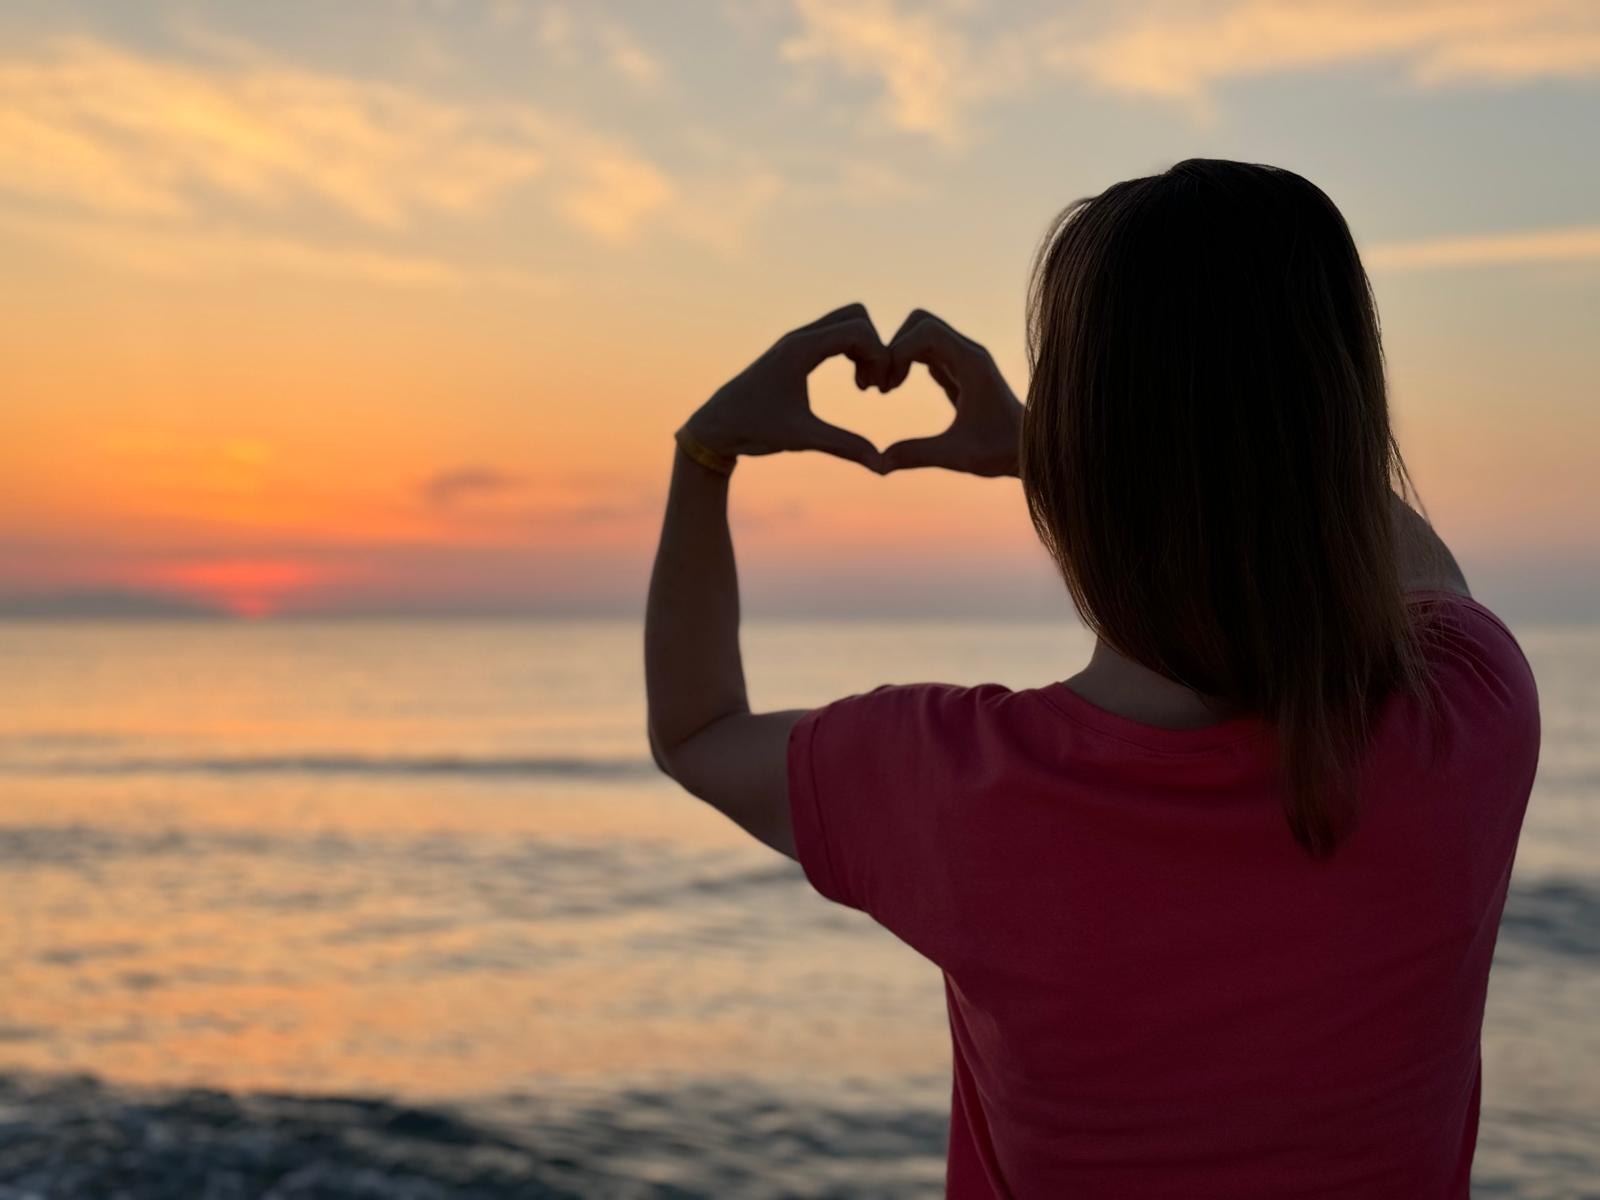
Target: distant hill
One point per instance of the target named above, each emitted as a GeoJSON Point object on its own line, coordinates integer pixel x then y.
{"type": "Point", "coordinates": [102, 603]}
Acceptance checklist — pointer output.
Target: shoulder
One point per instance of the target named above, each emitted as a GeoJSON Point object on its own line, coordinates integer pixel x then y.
{"type": "Point", "coordinates": [876, 789]}
{"type": "Point", "coordinates": [926, 705]}
{"type": "Point", "coordinates": [1476, 659]}
{"type": "Point", "coordinates": [903, 726]}
{"type": "Point", "coordinates": [1452, 620]}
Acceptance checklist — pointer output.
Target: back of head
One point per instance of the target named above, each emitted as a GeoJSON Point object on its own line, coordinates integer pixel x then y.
{"type": "Point", "coordinates": [1207, 455]}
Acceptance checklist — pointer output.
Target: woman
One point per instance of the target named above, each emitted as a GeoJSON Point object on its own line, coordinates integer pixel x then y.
{"type": "Point", "coordinates": [1216, 913]}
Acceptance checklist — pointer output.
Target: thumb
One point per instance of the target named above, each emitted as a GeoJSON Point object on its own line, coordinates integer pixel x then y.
{"type": "Point", "coordinates": [841, 443]}
{"type": "Point", "coordinates": [916, 452]}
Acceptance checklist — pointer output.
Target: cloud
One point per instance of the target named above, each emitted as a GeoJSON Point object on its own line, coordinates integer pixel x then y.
{"type": "Point", "coordinates": [487, 505]}
{"type": "Point", "coordinates": [931, 72]}
{"type": "Point", "coordinates": [448, 487]}
{"type": "Point", "coordinates": [591, 39]}
{"type": "Point", "coordinates": [101, 603]}
{"type": "Point", "coordinates": [109, 131]}
{"type": "Point", "coordinates": [177, 252]}
{"type": "Point", "coordinates": [723, 216]}
{"type": "Point", "coordinates": [1179, 50]}
{"type": "Point", "coordinates": [172, 252]}
{"type": "Point", "coordinates": [558, 31]}
{"type": "Point", "coordinates": [1579, 243]}
{"type": "Point", "coordinates": [613, 192]}
{"type": "Point", "coordinates": [224, 158]}
{"type": "Point", "coordinates": [629, 60]}
{"type": "Point", "coordinates": [936, 65]}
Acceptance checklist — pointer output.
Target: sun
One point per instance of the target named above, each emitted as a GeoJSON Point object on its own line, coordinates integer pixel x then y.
{"type": "Point", "coordinates": [248, 588]}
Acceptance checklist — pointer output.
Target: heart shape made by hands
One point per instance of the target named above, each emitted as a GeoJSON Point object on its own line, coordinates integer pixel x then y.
{"type": "Point", "coordinates": [916, 408]}
{"type": "Point", "coordinates": [981, 429]}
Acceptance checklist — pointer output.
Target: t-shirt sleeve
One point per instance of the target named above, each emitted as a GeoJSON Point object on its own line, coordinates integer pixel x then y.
{"type": "Point", "coordinates": [1489, 705]}
{"type": "Point", "coordinates": [1494, 692]}
{"type": "Point", "coordinates": [876, 793]}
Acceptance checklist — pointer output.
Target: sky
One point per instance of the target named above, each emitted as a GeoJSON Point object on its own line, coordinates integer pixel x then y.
{"type": "Point", "coordinates": [390, 308]}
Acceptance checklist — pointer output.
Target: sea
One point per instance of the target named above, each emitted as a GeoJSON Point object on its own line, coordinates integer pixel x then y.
{"type": "Point", "coordinates": [391, 908]}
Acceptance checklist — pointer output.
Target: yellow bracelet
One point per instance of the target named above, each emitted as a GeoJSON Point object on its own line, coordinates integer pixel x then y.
{"type": "Point", "coordinates": [704, 455]}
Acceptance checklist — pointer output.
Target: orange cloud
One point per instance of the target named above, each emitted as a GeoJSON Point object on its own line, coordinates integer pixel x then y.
{"type": "Point", "coordinates": [176, 251]}
{"type": "Point", "coordinates": [108, 130]}
{"type": "Point", "coordinates": [935, 64]}
{"type": "Point", "coordinates": [614, 192]}
{"type": "Point", "coordinates": [1573, 244]}
{"type": "Point", "coordinates": [444, 489]}
{"type": "Point", "coordinates": [931, 70]}
{"type": "Point", "coordinates": [1178, 50]}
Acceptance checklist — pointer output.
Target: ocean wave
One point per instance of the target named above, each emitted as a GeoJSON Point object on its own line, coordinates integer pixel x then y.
{"type": "Point", "coordinates": [1558, 917]}
{"type": "Point", "coordinates": [493, 767]}
{"type": "Point", "coordinates": [78, 1137]}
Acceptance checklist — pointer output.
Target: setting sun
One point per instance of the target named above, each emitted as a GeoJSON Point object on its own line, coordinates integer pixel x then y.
{"type": "Point", "coordinates": [249, 588]}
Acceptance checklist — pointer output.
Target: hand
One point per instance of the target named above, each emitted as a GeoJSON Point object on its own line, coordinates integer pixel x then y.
{"type": "Point", "coordinates": [767, 409]}
{"type": "Point", "coordinates": [984, 437]}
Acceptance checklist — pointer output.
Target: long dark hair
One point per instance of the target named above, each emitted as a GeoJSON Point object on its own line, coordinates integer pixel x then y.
{"type": "Point", "coordinates": [1207, 456]}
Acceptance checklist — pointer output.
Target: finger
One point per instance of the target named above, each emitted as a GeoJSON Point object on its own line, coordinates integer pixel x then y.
{"type": "Point", "coordinates": [915, 317]}
{"type": "Point", "coordinates": [872, 371]}
{"type": "Point", "coordinates": [944, 379]}
{"type": "Point", "coordinates": [897, 371]}
{"type": "Point", "coordinates": [895, 376]}
{"type": "Point", "coordinates": [928, 340]}
{"type": "Point", "coordinates": [855, 337]}
{"type": "Point", "coordinates": [848, 312]}
{"type": "Point", "coordinates": [919, 315]}
{"type": "Point", "coordinates": [917, 452]}
{"type": "Point", "coordinates": [841, 443]}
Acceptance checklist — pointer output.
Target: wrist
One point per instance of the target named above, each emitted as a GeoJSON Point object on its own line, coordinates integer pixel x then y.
{"type": "Point", "coordinates": [709, 428]}
{"type": "Point", "coordinates": [713, 460]}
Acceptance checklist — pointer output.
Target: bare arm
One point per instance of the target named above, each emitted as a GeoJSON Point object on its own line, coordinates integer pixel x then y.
{"type": "Point", "coordinates": [1425, 561]}
{"type": "Point", "coordinates": [701, 729]}
{"type": "Point", "coordinates": [702, 732]}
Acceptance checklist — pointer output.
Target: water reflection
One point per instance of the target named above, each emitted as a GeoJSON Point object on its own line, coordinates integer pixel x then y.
{"type": "Point", "coordinates": [273, 860]}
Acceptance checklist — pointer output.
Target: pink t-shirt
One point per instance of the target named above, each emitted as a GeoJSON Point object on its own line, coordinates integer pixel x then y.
{"type": "Point", "coordinates": [1153, 992]}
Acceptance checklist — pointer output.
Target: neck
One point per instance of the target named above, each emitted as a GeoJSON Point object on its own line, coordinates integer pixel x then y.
{"type": "Point", "coordinates": [1131, 690]}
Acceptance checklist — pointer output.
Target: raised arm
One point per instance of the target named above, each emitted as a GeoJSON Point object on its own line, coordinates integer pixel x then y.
{"type": "Point", "coordinates": [702, 732]}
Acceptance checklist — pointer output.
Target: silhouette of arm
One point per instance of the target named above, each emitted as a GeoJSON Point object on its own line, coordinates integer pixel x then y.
{"type": "Point", "coordinates": [701, 730]}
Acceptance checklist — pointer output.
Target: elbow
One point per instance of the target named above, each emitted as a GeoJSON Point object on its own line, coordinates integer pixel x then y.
{"type": "Point", "coordinates": [658, 753]}
{"type": "Point", "coordinates": [682, 754]}
{"type": "Point", "coordinates": [666, 755]}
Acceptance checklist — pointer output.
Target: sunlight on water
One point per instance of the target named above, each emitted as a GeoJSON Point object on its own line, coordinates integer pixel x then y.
{"type": "Point", "coordinates": [432, 861]}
